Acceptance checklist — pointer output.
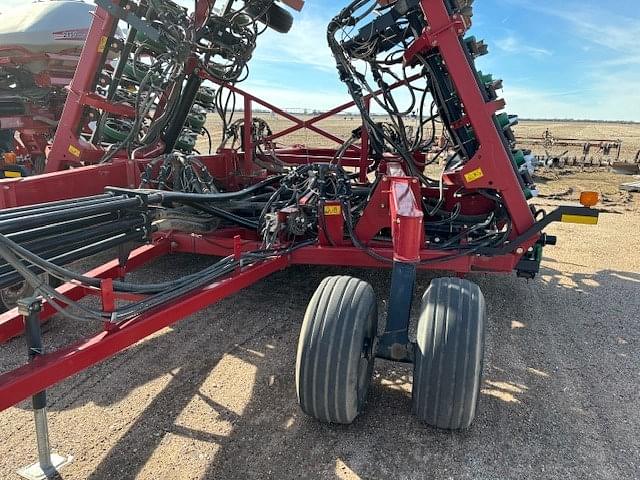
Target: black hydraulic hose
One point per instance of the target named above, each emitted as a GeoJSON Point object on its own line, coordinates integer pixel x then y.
{"type": "Point", "coordinates": [181, 197]}
{"type": "Point", "coordinates": [59, 203]}
{"type": "Point", "coordinates": [57, 208]}
{"type": "Point", "coordinates": [188, 96]}
{"type": "Point", "coordinates": [67, 275]}
{"type": "Point", "coordinates": [226, 265]}
{"type": "Point", "coordinates": [218, 212]}
{"type": "Point", "coordinates": [56, 228]}
{"type": "Point", "coordinates": [58, 250]}
{"type": "Point", "coordinates": [41, 219]}
{"type": "Point", "coordinates": [75, 237]}
{"type": "Point", "coordinates": [14, 277]}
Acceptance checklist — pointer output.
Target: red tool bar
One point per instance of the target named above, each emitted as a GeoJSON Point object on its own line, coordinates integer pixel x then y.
{"type": "Point", "coordinates": [79, 182]}
{"type": "Point", "coordinates": [346, 255]}
{"type": "Point", "coordinates": [54, 367]}
{"type": "Point", "coordinates": [492, 166]}
{"type": "Point", "coordinates": [11, 322]}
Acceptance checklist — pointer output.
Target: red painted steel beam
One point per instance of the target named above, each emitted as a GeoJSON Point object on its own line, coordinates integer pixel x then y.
{"type": "Point", "coordinates": [309, 124]}
{"type": "Point", "coordinates": [54, 367]}
{"type": "Point", "coordinates": [278, 111]}
{"type": "Point", "coordinates": [79, 182]}
{"type": "Point", "coordinates": [348, 256]}
{"type": "Point", "coordinates": [491, 167]}
{"type": "Point", "coordinates": [345, 255]}
{"type": "Point", "coordinates": [11, 322]}
{"type": "Point", "coordinates": [67, 146]}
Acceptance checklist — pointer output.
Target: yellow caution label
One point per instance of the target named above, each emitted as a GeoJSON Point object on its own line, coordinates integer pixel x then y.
{"type": "Point", "coordinates": [477, 174]}
{"type": "Point", "coordinates": [332, 210]}
{"type": "Point", "coordinates": [75, 151]}
{"type": "Point", "coordinates": [102, 45]}
{"type": "Point", "coordinates": [12, 174]}
{"type": "Point", "coordinates": [581, 219]}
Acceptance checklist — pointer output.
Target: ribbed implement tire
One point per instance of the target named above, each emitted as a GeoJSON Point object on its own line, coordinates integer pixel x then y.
{"type": "Point", "coordinates": [335, 350]}
{"type": "Point", "coordinates": [449, 354]}
{"type": "Point", "coordinates": [275, 17]}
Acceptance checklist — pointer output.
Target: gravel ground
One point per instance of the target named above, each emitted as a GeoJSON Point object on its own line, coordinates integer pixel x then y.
{"type": "Point", "coordinates": [214, 396]}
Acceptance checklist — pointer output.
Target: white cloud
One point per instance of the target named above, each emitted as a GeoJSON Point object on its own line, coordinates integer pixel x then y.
{"type": "Point", "coordinates": [296, 98]}
{"type": "Point", "coordinates": [612, 98]}
{"type": "Point", "coordinates": [512, 44]}
{"type": "Point", "coordinates": [305, 44]}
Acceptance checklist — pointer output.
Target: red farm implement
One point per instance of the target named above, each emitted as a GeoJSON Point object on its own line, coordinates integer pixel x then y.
{"type": "Point", "coordinates": [40, 46]}
{"type": "Point", "coordinates": [135, 184]}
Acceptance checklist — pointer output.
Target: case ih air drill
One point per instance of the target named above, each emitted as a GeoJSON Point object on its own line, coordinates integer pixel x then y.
{"type": "Point", "coordinates": [123, 174]}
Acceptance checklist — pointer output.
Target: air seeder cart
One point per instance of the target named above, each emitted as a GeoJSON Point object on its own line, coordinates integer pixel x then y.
{"type": "Point", "coordinates": [40, 45]}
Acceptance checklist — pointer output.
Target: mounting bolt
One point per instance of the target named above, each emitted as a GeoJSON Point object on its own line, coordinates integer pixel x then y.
{"type": "Point", "coordinates": [382, 205]}
{"type": "Point", "coordinates": [520, 251]}
{"type": "Point", "coordinates": [415, 180]}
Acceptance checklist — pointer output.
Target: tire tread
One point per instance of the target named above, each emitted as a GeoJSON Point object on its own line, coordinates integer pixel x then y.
{"type": "Point", "coordinates": [335, 324]}
{"type": "Point", "coordinates": [450, 344]}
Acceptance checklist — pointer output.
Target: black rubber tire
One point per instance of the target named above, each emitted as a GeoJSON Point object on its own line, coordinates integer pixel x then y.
{"type": "Point", "coordinates": [336, 350]}
{"type": "Point", "coordinates": [275, 17]}
{"type": "Point", "coordinates": [9, 296]}
{"type": "Point", "coordinates": [449, 354]}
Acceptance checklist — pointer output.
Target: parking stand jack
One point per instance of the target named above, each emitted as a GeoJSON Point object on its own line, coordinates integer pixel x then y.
{"type": "Point", "coordinates": [48, 463]}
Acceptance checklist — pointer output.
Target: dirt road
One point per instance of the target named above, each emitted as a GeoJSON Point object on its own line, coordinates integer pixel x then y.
{"type": "Point", "coordinates": [214, 397]}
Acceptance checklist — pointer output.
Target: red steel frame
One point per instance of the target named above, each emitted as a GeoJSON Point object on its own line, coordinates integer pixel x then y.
{"type": "Point", "coordinates": [394, 204]}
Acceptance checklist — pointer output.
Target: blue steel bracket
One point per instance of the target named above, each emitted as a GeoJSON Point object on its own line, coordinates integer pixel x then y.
{"type": "Point", "coordinates": [394, 343]}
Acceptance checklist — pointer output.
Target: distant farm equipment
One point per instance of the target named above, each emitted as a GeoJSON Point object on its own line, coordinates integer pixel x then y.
{"type": "Point", "coordinates": [579, 152]}
{"type": "Point", "coordinates": [40, 46]}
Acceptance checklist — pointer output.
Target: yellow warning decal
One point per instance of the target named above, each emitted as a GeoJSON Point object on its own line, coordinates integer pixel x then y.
{"type": "Point", "coordinates": [581, 219]}
{"type": "Point", "coordinates": [11, 174]}
{"type": "Point", "coordinates": [75, 151]}
{"type": "Point", "coordinates": [477, 174]}
{"type": "Point", "coordinates": [331, 210]}
{"type": "Point", "coordinates": [102, 45]}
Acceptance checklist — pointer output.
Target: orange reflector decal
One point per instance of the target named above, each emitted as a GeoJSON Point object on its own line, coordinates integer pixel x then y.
{"type": "Point", "coordinates": [589, 199]}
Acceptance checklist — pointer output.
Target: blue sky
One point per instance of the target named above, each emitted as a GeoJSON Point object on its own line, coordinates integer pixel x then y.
{"type": "Point", "coordinates": [558, 59]}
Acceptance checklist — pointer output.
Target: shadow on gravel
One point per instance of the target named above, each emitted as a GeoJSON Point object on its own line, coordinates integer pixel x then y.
{"type": "Point", "coordinates": [539, 407]}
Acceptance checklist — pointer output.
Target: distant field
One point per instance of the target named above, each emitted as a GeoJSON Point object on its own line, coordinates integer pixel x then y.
{"type": "Point", "coordinates": [343, 126]}
{"type": "Point", "coordinates": [628, 133]}
{"type": "Point", "coordinates": [556, 184]}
